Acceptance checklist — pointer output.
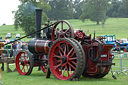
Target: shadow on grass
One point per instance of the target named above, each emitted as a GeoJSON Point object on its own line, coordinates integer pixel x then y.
{"type": "Point", "coordinates": [94, 79]}
{"type": "Point", "coordinates": [101, 80]}
{"type": "Point", "coordinates": [39, 73]}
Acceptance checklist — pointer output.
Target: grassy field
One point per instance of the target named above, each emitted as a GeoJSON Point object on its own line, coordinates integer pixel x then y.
{"type": "Point", "coordinates": [38, 78]}
{"type": "Point", "coordinates": [117, 26]}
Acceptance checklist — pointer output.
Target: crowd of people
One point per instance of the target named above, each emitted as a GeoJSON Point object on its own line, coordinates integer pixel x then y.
{"type": "Point", "coordinates": [12, 49]}
{"type": "Point", "coordinates": [16, 47]}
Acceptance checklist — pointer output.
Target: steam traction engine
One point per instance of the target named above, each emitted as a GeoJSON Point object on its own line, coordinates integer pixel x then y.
{"type": "Point", "coordinates": [68, 53]}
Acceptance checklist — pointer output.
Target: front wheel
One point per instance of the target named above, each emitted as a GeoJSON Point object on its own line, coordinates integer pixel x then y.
{"type": "Point", "coordinates": [24, 63]}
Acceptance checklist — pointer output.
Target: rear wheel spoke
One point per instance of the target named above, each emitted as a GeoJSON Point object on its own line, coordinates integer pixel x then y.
{"type": "Point", "coordinates": [67, 47]}
{"type": "Point", "coordinates": [63, 72]}
{"type": "Point", "coordinates": [57, 66]}
{"type": "Point", "coordinates": [56, 56]}
{"type": "Point", "coordinates": [70, 70]}
{"type": "Point", "coordinates": [73, 58]}
{"type": "Point", "coordinates": [60, 53]}
{"type": "Point", "coordinates": [72, 66]}
{"type": "Point", "coordinates": [67, 70]}
{"type": "Point", "coordinates": [61, 68]}
{"type": "Point", "coordinates": [61, 48]}
{"type": "Point", "coordinates": [70, 52]}
{"type": "Point", "coordinates": [74, 63]}
{"type": "Point", "coordinates": [59, 61]}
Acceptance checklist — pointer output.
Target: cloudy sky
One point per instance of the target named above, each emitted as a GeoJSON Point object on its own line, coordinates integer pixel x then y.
{"type": "Point", "coordinates": [6, 8]}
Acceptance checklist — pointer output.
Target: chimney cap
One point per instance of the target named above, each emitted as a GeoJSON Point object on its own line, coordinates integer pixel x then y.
{"type": "Point", "coordinates": [38, 9]}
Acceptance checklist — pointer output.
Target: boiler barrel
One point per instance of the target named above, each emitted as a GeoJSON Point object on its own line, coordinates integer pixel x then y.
{"type": "Point", "coordinates": [39, 46]}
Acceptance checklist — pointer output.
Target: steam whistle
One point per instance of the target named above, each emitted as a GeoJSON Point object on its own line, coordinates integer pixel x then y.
{"type": "Point", "coordinates": [94, 35]}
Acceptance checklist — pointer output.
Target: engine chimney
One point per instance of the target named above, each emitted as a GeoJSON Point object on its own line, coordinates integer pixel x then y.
{"type": "Point", "coordinates": [38, 23]}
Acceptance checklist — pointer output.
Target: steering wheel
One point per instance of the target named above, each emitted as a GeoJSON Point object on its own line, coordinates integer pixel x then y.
{"type": "Point", "coordinates": [60, 32]}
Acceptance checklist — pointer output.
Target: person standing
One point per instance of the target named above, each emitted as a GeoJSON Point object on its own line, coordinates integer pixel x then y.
{"type": "Point", "coordinates": [14, 52]}
{"type": "Point", "coordinates": [19, 44]}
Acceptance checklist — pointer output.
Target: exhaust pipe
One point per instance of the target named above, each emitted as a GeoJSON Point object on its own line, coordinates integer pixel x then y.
{"type": "Point", "coordinates": [38, 23]}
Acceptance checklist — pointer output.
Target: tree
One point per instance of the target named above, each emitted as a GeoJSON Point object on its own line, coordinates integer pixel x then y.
{"type": "Point", "coordinates": [65, 9]}
{"type": "Point", "coordinates": [59, 9]}
{"type": "Point", "coordinates": [123, 10]}
{"type": "Point", "coordinates": [78, 6]}
{"type": "Point", "coordinates": [114, 10]}
{"type": "Point", "coordinates": [25, 15]}
{"type": "Point", "coordinates": [95, 10]}
{"type": "Point", "coordinates": [125, 6]}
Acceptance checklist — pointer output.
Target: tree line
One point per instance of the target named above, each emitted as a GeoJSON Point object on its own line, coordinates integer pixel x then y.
{"type": "Point", "coordinates": [94, 10]}
{"type": "Point", "coordinates": [73, 9]}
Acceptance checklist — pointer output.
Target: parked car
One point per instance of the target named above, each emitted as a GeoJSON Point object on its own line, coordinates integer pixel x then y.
{"type": "Point", "coordinates": [8, 35]}
{"type": "Point", "coordinates": [17, 35]}
{"type": "Point", "coordinates": [111, 39]}
{"type": "Point", "coordinates": [124, 44]}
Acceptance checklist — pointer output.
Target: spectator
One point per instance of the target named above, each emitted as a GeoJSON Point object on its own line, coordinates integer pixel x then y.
{"type": "Point", "coordinates": [13, 51]}
{"type": "Point", "coordinates": [19, 44]}
{"type": "Point", "coordinates": [24, 46]}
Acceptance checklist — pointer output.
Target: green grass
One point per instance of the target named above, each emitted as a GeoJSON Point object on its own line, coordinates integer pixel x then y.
{"type": "Point", "coordinates": [38, 78]}
{"type": "Point", "coordinates": [10, 29]}
{"type": "Point", "coordinates": [117, 26]}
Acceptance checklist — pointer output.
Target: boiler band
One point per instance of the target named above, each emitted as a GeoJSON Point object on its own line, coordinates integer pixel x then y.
{"type": "Point", "coordinates": [39, 46]}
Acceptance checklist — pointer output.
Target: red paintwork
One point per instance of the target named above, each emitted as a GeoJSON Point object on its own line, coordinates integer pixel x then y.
{"type": "Point", "coordinates": [63, 63]}
{"type": "Point", "coordinates": [22, 69]}
{"type": "Point", "coordinates": [41, 46]}
{"type": "Point", "coordinates": [43, 67]}
{"type": "Point", "coordinates": [79, 34]}
{"type": "Point", "coordinates": [55, 61]}
{"type": "Point", "coordinates": [91, 67]}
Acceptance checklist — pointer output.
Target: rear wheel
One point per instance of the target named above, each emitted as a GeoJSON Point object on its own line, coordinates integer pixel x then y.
{"type": "Point", "coordinates": [66, 59]}
{"type": "Point", "coordinates": [24, 63]}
